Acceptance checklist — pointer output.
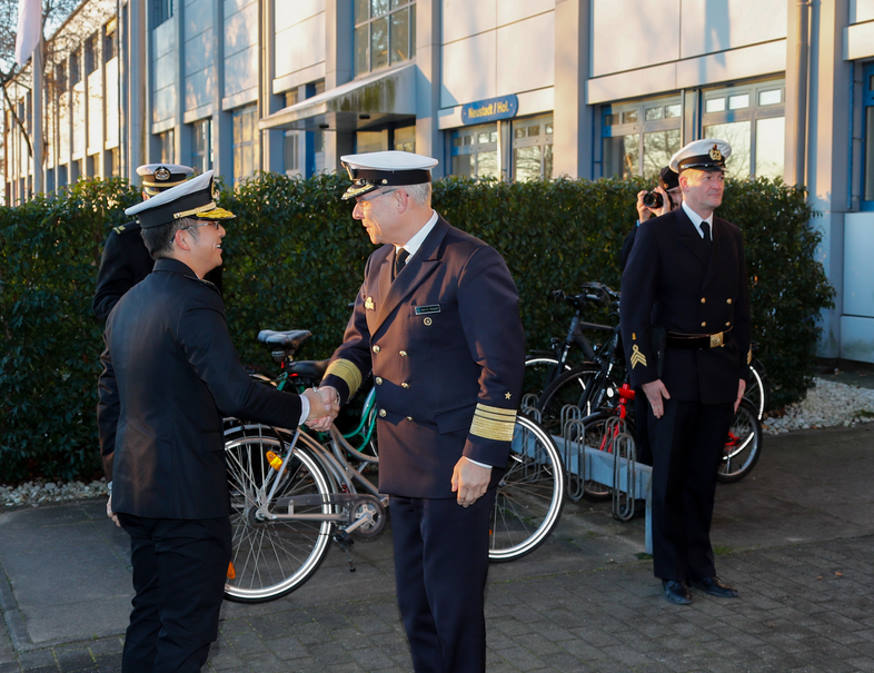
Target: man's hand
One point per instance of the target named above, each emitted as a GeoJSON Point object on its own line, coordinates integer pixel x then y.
{"type": "Point", "coordinates": [656, 393]}
{"type": "Point", "coordinates": [112, 515]}
{"type": "Point", "coordinates": [469, 481]}
{"type": "Point", "coordinates": [323, 413]}
{"type": "Point", "coordinates": [645, 212]}
{"type": "Point", "coordinates": [741, 389]}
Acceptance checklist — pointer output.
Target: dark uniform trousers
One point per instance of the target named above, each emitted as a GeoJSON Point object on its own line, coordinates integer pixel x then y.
{"type": "Point", "coordinates": [687, 444]}
{"type": "Point", "coordinates": [441, 552]}
{"type": "Point", "coordinates": [179, 571]}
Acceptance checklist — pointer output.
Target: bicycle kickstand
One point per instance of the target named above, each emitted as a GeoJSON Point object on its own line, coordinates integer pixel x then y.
{"type": "Point", "coordinates": [345, 542]}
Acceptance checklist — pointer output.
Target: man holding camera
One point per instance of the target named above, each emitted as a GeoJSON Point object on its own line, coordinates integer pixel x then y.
{"type": "Point", "coordinates": [685, 320]}
{"type": "Point", "coordinates": [661, 200]}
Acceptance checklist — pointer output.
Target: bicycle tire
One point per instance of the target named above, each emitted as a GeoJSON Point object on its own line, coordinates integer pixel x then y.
{"type": "Point", "coordinates": [571, 388]}
{"type": "Point", "coordinates": [755, 391]}
{"type": "Point", "coordinates": [540, 370]}
{"type": "Point", "coordinates": [530, 495]}
{"type": "Point", "coordinates": [743, 446]}
{"type": "Point", "coordinates": [270, 559]}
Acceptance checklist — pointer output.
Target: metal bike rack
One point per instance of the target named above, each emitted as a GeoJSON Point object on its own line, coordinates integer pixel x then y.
{"type": "Point", "coordinates": [573, 433]}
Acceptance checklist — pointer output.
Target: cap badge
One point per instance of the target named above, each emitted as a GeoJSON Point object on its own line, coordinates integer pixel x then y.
{"type": "Point", "coordinates": [715, 154]}
{"type": "Point", "coordinates": [162, 174]}
{"type": "Point", "coordinates": [368, 304]}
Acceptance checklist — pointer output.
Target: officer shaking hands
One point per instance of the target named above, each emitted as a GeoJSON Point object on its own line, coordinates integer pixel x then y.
{"type": "Point", "coordinates": [685, 321]}
{"type": "Point", "coordinates": [437, 323]}
{"type": "Point", "coordinates": [170, 373]}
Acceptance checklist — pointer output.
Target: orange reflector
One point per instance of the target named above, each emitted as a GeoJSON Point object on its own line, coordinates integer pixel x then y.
{"type": "Point", "coordinates": [232, 573]}
{"type": "Point", "coordinates": [274, 460]}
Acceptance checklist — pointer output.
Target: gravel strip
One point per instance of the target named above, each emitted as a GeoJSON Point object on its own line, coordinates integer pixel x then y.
{"type": "Point", "coordinates": [828, 403]}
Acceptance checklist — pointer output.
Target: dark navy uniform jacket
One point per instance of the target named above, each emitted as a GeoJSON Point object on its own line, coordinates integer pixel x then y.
{"type": "Point", "coordinates": [675, 280]}
{"type": "Point", "coordinates": [445, 344]}
{"type": "Point", "coordinates": [125, 261]}
{"type": "Point", "coordinates": [170, 374]}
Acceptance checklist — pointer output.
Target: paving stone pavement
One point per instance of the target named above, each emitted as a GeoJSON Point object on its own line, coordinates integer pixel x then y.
{"type": "Point", "coordinates": [795, 537]}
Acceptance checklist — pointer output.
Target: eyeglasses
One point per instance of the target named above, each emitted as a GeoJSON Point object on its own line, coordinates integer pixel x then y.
{"type": "Point", "coordinates": [374, 195]}
{"type": "Point", "coordinates": [205, 223]}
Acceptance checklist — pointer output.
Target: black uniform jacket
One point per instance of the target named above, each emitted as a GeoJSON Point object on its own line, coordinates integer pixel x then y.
{"type": "Point", "coordinates": [446, 348]}
{"type": "Point", "coordinates": [170, 374]}
{"type": "Point", "coordinates": [675, 280]}
{"type": "Point", "coordinates": [124, 263]}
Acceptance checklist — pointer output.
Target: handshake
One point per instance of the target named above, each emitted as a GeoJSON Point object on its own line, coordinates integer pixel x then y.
{"type": "Point", "coordinates": [324, 407]}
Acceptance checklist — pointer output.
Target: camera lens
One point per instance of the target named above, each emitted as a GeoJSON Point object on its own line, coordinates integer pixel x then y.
{"type": "Point", "coordinates": [652, 200]}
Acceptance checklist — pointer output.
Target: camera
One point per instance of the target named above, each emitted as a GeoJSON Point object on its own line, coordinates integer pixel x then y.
{"type": "Point", "coordinates": [653, 200]}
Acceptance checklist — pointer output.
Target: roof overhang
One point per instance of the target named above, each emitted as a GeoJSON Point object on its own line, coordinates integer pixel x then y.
{"type": "Point", "coordinates": [370, 101]}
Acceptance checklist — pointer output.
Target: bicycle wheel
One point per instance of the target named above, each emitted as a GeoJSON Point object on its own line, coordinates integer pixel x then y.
{"type": "Point", "coordinates": [755, 391]}
{"type": "Point", "coordinates": [577, 388]}
{"type": "Point", "coordinates": [743, 446]}
{"type": "Point", "coordinates": [530, 494]}
{"type": "Point", "coordinates": [273, 558]}
{"type": "Point", "coordinates": [540, 370]}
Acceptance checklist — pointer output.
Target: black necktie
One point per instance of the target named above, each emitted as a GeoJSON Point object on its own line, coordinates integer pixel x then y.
{"type": "Point", "coordinates": [401, 255]}
{"type": "Point", "coordinates": [705, 227]}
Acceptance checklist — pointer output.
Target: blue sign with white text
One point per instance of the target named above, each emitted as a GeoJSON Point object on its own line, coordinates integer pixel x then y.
{"type": "Point", "coordinates": [490, 110]}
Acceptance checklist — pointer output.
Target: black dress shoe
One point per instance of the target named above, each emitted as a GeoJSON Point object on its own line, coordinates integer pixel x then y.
{"type": "Point", "coordinates": [676, 592]}
{"type": "Point", "coordinates": [715, 587]}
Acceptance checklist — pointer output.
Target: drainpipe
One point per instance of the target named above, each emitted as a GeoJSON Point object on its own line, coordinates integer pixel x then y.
{"type": "Point", "coordinates": [797, 73]}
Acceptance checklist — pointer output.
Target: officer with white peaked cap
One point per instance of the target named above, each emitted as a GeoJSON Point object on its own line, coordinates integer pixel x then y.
{"type": "Point", "coordinates": [170, 374]}
{"type": "Point", "coordinates": [685, 320]}
{"type": "Point", "coordinates": [436, 321]}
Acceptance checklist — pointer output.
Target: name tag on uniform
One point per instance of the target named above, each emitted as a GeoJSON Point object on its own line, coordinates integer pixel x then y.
{"type": "Point", "coordinates": [428, 310]}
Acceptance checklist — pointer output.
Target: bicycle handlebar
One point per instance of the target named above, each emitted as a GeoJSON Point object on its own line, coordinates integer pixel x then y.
{"type": "Point", "coordinates": [593, 293]}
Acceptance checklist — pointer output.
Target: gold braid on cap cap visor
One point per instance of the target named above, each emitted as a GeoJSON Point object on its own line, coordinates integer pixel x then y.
{"type": "Point", "coordinates": [208, 211]}
{"type": "Point", "coordinates": [346, 370]}
{"type": "Point", "coordinates": [165, 184]}
{"type": "Point", "coordinates": [493, 423]}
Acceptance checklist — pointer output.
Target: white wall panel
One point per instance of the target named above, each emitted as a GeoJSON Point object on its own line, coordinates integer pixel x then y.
{"type": "Point", "coordinates": [199, 52]}
{"type": "Point", "coordinates": [514, 10]}
{"type": "Point", "coordinates": [198, 17]}
{"type": "Point", "coordinates": [469, 70]}
{"type": "Point", "coordinates": [861, 10]}
{"type": "Point", "coordinates": [199, 89]}
{"type": "Point", "coordinates": [717, 25]}
{"type": "Point", "coordinates": [300, 45]}
{"type": "Point", "coordinates": [752, 61]}
{"type": "Point", "coordinates": [464, 18]}
{"type": "Point", "coordinates": [859, 41]}
{"type": "Point", "coordinates": [241, 71]}
{"type": "Point", "coordinates": [289, 12]}
{"type": "Point", "coordinates": [241, 29]}
{"type": "Point", "coordinates": [858, 253]}
{"type": "Point", "coordinates": [629, 34]}
{"type": "Point", "coordinates": [856, 342]}
{"type": "Point", "coordinates": [526, 52]}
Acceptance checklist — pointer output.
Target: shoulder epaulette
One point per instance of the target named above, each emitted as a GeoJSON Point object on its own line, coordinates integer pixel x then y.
{"type": "Point", "coordinates": [126, 227]}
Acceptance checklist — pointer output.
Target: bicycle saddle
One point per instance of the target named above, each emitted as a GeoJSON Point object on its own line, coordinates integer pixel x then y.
{"type": "Point", "coordinates": [291, 339]}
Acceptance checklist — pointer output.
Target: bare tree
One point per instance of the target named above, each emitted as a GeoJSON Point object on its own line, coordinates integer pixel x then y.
{"type": "Point", "coordinates": [54, 12]}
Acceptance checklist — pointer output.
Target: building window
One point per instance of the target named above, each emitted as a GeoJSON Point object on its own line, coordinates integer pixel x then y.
{"type": "Point", "coordinates": [165, 147]}
{"type": "Point", "coordinates": [110, 41]}
{"type": "Point", "coordinates": [752, 120]}
{"type": "Point", "coordinates": [385, 33]}
{"type": "Point", "coordinates": [532, 148]}
{"type": "Point", "coordinates": [868, 124]}
{"type": "Point", "coordinates": [292, 151]}
{"type": "Point", "coordinates": [91, 60]}
{"type": "Point", "coordinates": [475, 151]}
{"type": "Point", "coordinates": [159, 12]}
{"type": "Point", "coordinates": [201, 145]}
{"type": "Point", "coordinates": [405, 138]}
{"type": "Point", "coordinates": [245, 127]}
{"type": "Point", "coordinates": [639, 138]}
{"type": "Point", "coordinates": [75, 72]}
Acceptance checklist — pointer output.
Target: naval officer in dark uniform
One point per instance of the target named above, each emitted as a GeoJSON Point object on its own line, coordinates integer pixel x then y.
{"type": "Point", "coordinates": [437, 322]}
{"type": "Point", "coordinates": [685, 320]}
{"type": "Point", "coordinates": [170, 375]}
{"type": "Point", "coordinates": [125, 261]}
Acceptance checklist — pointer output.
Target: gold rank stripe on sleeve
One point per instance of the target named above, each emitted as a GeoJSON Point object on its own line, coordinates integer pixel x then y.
{"type": "Point", "coordinates": [347, 371]}
{"type": "Point", "coordinates": [637, 358]}
{"type": "Point", "coordinates": [493, 422]}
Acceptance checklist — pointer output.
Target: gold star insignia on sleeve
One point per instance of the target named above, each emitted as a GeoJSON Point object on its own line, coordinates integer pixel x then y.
{"type": "Point", "coordinates": [507, 395]}
{"type": "Point", "coordinates": [637, 358]}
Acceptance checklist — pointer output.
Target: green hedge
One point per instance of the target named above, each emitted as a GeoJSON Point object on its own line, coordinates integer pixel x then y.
{"type": "Point", "coordinates": [294, 258]}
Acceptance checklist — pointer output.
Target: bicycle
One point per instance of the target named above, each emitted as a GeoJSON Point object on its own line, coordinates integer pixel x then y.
{"type": "Point", "coordinates": [292, 495]}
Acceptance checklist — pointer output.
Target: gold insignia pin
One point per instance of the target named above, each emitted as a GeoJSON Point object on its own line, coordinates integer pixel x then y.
{"type": "Point", "coordinates": [368, 304]}
{"type": "Point", "coordinates": [637, 358]}
{"type": "Point", "coordinates": [715, 154]}
{"type": "Point", "coordinates": [507, 395]}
